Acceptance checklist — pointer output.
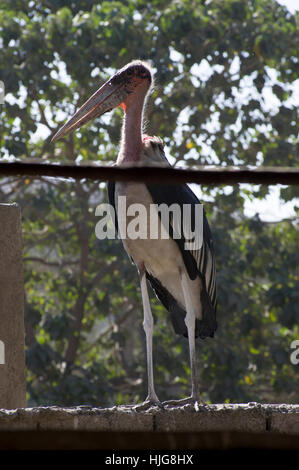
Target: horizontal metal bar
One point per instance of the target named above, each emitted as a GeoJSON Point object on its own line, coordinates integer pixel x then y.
{"type": "Point", "coordinates": [154, 174]}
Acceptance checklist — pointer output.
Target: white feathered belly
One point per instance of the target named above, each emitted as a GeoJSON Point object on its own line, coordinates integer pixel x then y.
{"type": "Point", "coordinates": [161, 257]}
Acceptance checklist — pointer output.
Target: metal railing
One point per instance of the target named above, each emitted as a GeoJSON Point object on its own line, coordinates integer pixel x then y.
{"type": "Point", "coordinates": [155, 174]}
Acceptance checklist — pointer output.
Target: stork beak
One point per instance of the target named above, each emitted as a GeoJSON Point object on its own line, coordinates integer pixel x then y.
{"type": "Point", "coordinates": [106, 98]}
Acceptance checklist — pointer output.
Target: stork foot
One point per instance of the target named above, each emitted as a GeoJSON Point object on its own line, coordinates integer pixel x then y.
{"type": "Point", "coordinates": [147, 404]}
{"type": "Point", "coordinates": [195, 401]}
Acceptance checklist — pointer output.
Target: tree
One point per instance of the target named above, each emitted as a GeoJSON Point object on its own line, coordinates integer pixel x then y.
{"type": "Point", "coordinates": [216, 62]}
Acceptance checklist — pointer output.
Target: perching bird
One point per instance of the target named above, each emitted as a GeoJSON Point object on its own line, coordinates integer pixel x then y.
{"type": "Point", "coordinates": [184, 279]}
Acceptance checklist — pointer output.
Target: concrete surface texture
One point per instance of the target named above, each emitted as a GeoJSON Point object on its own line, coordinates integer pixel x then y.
{"type": "Point", "coordinates": [12, 360]}
{"type": "Point", "coordinates": [250, 417]}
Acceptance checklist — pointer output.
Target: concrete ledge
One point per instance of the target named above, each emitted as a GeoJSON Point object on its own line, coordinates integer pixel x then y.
{"type": "Point", "coordinates": [248, 418]}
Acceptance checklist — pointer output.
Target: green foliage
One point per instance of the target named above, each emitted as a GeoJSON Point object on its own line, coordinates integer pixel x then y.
{"type": "Point", "coordinates": [84, 338]}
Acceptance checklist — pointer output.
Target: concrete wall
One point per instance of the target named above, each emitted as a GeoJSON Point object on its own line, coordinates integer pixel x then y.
{"type": "Point", "coordinates": [251, 417]}
{"type": "Point", "coordinates": [12, 355]}
{"type": "Point", "coordinates": [210, 427]}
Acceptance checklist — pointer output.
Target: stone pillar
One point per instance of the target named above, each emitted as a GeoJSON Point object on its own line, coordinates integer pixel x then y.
{"type": "Point", "coordinates": [12, 348]}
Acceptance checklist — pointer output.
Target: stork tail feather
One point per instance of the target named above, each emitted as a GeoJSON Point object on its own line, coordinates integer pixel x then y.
{"type": "Point", "coordinates": [203, 328]}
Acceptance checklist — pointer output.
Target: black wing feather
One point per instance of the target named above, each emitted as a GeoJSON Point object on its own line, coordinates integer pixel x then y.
{"type": "Point", "coordinates": [198, 262]}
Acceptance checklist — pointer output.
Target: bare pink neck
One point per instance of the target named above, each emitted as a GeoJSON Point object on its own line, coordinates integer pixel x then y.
{"type": "Point", "coordinates": [131, 142]}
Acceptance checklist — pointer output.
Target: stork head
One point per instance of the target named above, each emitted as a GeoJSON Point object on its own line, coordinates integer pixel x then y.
{"type": "Point", "coordinates": [120, 90]}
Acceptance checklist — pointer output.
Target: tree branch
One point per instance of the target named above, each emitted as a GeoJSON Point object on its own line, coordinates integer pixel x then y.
{"type": "Point", "coordinates": [49, 263]}
{"type": "Point", "coordinates": [43, 120]}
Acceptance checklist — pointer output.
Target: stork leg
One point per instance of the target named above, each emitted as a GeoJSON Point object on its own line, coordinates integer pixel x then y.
{"type": "Point", "coordinates": [190, 323]}
{"type": "Point", "coordinates": [148, 325]}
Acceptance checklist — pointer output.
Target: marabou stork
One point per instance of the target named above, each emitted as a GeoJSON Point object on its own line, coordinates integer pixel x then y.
{"type": "Point", "coordinates": [184, 280]}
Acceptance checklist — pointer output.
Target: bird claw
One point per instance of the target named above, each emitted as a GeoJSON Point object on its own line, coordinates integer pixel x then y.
{"type": "Point", "coordinates": [147, 404]}
{"type": "Point", "coordinates": [196, 402]}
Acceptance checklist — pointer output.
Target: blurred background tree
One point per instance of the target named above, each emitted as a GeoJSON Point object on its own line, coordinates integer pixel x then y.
{"type": "Point", "coordinates": [225, 75]}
